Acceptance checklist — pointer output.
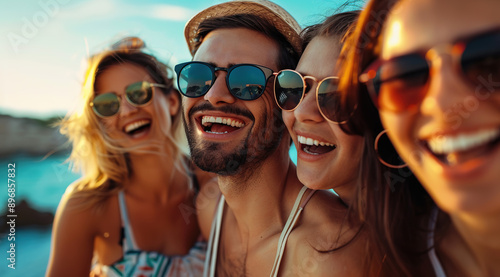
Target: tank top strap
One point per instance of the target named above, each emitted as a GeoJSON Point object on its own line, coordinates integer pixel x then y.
{"type": "Point", "coordinates": [438, 269]}
{"type": "Point", "coordinates": [213, 241]}
{"type": "Point", "coordinates": [308, 197]}
{"type": "Point", "coordinates": [290, 224]}
{"type": "Point", "coordinates": [128, 240]}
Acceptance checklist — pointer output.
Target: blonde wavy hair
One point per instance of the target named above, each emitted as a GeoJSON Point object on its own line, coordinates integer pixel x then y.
{"type": "Point", "coordinates": [102, 162]}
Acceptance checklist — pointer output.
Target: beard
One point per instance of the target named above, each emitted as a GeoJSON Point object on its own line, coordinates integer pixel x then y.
{"type": "Point", "coordinates": [223, 159]}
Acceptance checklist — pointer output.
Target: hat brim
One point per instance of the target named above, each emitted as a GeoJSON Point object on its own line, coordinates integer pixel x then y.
{"type": "Point", "coordinates": [267, 10]}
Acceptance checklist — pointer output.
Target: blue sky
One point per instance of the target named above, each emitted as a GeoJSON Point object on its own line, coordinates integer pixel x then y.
{"type": "Point", "coordinates": [43, 43]}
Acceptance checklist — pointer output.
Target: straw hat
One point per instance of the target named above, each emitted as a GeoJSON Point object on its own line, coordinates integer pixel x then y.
{"type": "Point", "coordinates": [273, 13]}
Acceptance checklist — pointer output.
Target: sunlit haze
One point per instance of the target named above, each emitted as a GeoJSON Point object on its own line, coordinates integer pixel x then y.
{"type": "Point", "coordinates": [44, 42]}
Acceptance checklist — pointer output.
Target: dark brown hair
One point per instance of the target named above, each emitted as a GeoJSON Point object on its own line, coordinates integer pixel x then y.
{"type": "Point", "coordinates": [337, 26]}
{"type": "Point", "coordinates": [287, 57]}
{"type": "Point", "coordinates": [391, 202]}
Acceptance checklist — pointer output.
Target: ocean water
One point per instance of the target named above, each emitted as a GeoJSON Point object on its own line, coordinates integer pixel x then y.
{"type": "Point", "coordinates": [293, 153]}
{"type": "Point", "coordinates": [42, 182]}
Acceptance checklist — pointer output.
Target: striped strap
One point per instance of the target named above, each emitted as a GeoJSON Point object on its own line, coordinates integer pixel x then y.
{"type": "Point", "coordinates": [290, 223]}
{"type": "Point", "coordinates": [129, 243]}
{"type": "Point", "coordinates": [213, 242]}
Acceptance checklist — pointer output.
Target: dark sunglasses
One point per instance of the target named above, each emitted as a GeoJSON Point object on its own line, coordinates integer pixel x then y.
{"type": "Point", "coordinates": [290, 88]}
{"type": "Point", "coordinates": [137, 94]}
{"type": "Point", "coordinates": [244, 81]}
{"type": "Point", "coordinates": [401, 83]}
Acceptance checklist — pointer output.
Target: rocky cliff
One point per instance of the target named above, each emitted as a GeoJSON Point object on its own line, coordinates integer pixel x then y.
{"type": "Point", "coordinates": [28, 136]}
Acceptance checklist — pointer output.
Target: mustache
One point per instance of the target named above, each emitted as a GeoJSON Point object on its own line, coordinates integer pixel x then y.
{"type": "Point", "coordinates": [230, 109]}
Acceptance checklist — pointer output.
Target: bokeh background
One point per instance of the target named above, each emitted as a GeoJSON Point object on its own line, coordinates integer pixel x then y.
{"type": "Point", "coordinates": [43, 46]}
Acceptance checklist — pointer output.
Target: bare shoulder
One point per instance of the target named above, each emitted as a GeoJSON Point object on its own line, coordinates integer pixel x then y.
{"type": "Point", "coordinates": [72, 207]}
{"type": "Point", "coordinates": [74, 227]}
{"type": "Point", "coordinates": [206, 201]}
{"type": "Point", "coordinates": [324, 243]}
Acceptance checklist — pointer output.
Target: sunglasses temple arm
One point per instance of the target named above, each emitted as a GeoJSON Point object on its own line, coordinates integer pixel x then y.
{"type": "Point", "coordinates": [159, 85]}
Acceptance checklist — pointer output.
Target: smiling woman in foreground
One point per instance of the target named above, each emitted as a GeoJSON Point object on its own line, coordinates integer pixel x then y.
{"type": "Point", "coordinates": [432, 68]}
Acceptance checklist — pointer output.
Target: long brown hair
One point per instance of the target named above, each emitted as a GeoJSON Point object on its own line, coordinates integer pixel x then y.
{"type": "Point", "coordinates": [391, 202]}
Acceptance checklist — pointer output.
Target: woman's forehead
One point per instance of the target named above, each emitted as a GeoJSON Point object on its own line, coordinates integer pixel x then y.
{"type": "Point", "coordinates": [118, 76]}
{"type": "Point", "coordinates": [421, 24]}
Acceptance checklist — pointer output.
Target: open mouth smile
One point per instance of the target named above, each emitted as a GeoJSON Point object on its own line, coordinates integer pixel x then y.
{"type": "Point", "coordinates": [220, 125]}
{"type": "Point", "coordinates": [315, 147]}
{"type": "Point", "coordinates": [137, 128]}
{"type": "Point", "coordinates": [458, 149]}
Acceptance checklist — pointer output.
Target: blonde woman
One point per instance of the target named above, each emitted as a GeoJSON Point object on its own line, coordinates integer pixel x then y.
{"type": "Point", "coordinates": [132, 212]}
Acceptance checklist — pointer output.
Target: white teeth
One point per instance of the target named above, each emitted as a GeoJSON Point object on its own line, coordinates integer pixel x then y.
{"type": "Point", "coordinates": [221, 120]}
{"type": "Point", "coordinates": [135, 125]}
{"type": "Point", "coordinates": [310, 141]}
{"type": "Point", "coordinates": [218, 133]}
{"type": "Point", "coordinates": [309, 152]}
{"type": "Point", "coordinates": [462, 142]}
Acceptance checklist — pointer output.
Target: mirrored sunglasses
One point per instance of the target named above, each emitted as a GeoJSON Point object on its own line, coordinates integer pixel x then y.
{"type": "Point", "coordinates": [244, 81]}
{"type": "Point", "coordinates": [137, 94]}
{"type": "Point", "coordinates": [290, 88]}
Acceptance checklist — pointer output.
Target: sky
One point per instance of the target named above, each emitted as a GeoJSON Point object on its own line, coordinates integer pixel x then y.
{"type": "Point", "coordinates": [44, 43]}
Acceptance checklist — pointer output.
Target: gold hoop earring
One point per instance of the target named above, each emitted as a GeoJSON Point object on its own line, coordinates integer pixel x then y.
{"type": "Point", "coordinates": [381, 160]}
